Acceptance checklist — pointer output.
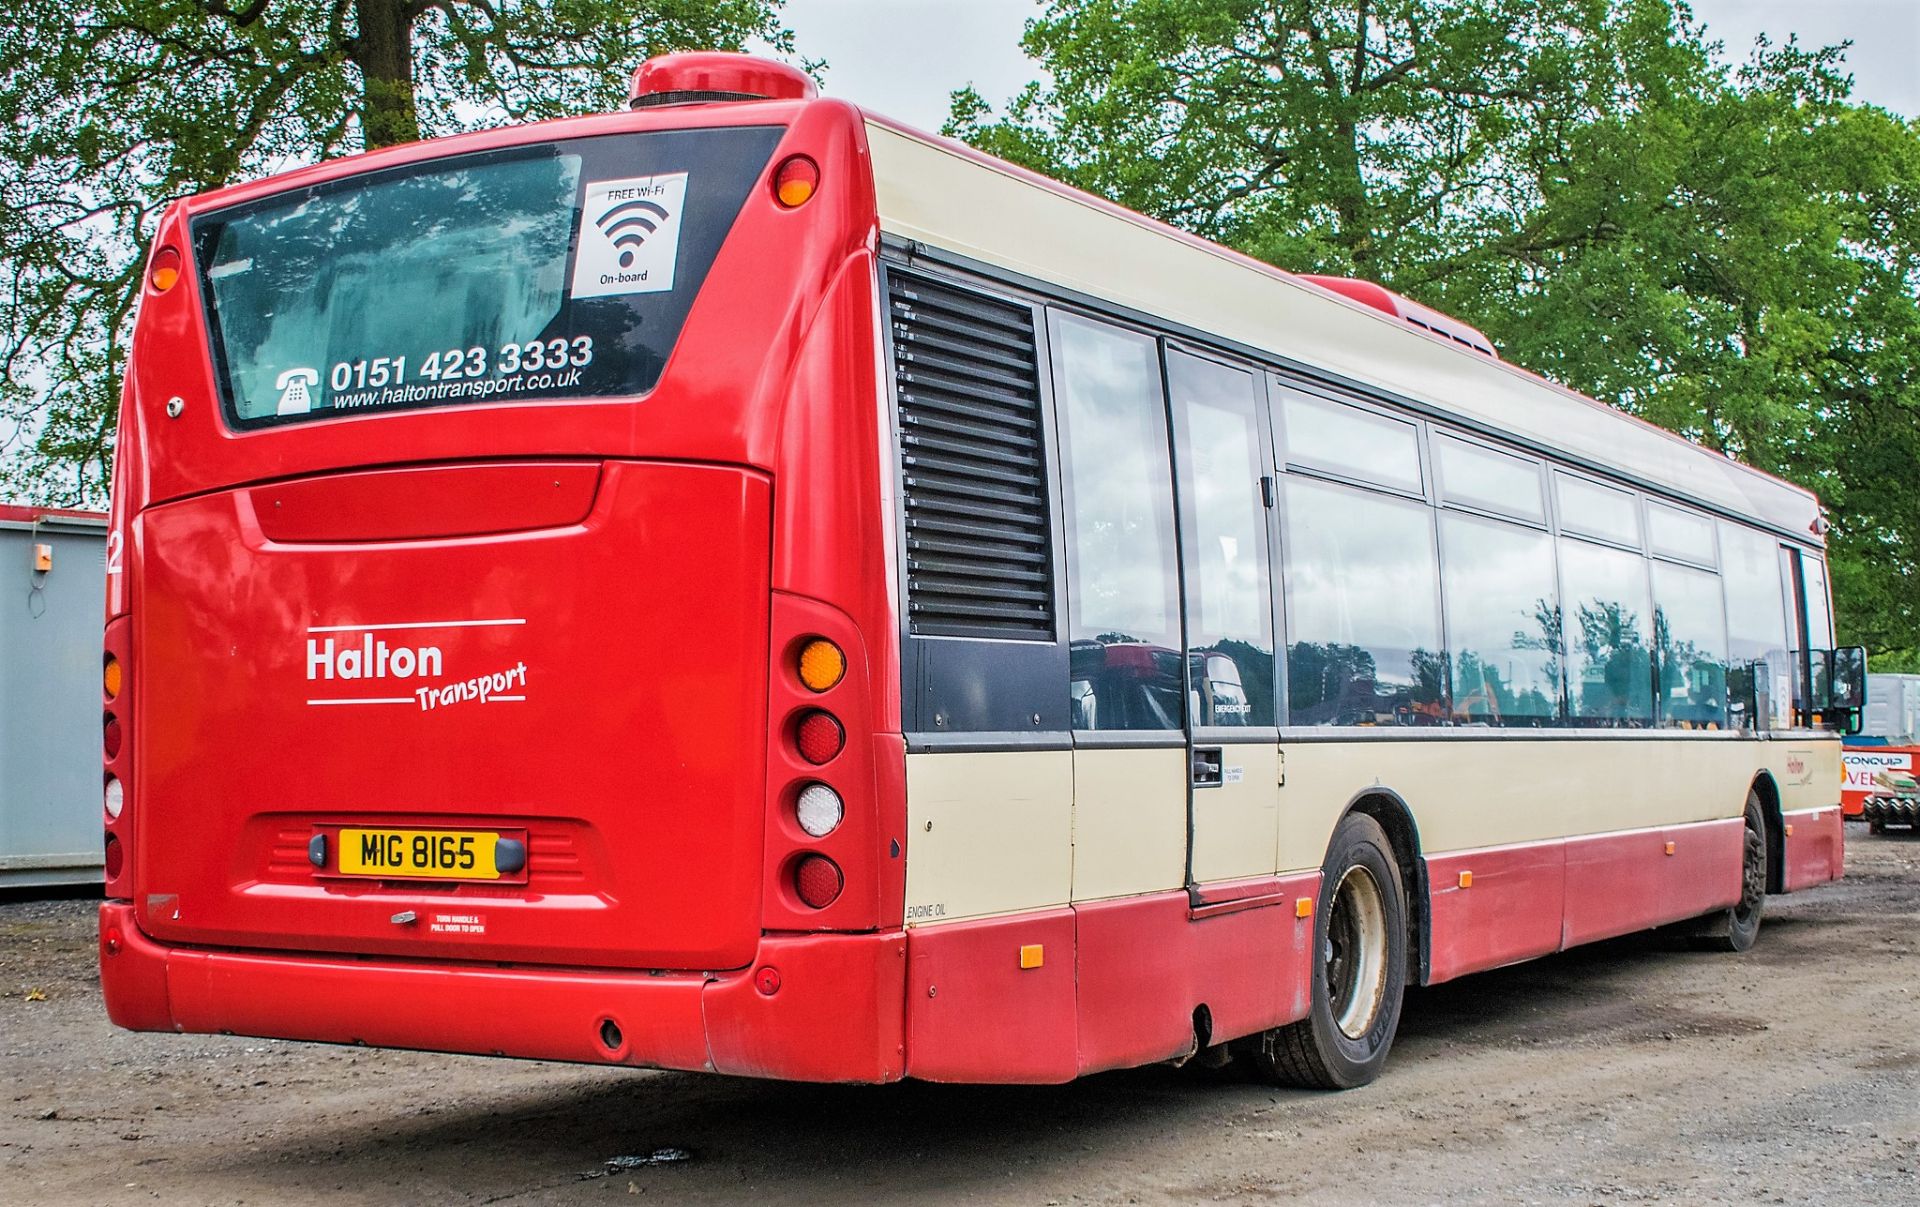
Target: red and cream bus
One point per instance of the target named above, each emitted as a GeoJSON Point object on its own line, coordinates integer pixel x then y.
{"type": "Point", "coordinates": [739, 584]}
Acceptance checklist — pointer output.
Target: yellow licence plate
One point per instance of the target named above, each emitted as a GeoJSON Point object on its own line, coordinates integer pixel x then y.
{"type": "Point", "coordinates": [411, 854]}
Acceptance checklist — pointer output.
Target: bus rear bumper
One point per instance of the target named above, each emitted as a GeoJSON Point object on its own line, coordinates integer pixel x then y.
{"type": "Point", "coordinates": [833, 1014]}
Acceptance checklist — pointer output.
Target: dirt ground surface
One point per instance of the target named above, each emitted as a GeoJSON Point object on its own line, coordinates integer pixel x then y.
{"type": "Point", "coordinates": [1633, 1071]}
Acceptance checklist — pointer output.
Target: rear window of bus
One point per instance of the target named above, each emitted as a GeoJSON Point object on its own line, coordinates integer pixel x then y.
{"type": "Point", "coordinates": [558, 270]}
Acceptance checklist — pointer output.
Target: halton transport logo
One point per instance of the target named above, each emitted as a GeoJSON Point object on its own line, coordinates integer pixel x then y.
{"type": "Point", "coordinates": [380, 664]}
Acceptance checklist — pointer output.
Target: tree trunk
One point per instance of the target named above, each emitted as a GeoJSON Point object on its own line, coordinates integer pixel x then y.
{"type": "Point", "coordinates": [383, 51]}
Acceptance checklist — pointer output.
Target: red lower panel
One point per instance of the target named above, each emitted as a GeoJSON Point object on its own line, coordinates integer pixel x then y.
{"type": "Point", "coordinates": [1816, 849]}
{"type": "Point", "coordinates": [973, 1014]}
{"type": "Point", "coordinates": [1616, 884]}
{"type": "Point", "coordinates": [1145, 967]}
{"type": "Point", "coordinates": [1510, 910]}
{"type": "Point", "coordinates": [1703, 873]}
{"type": "Point", "coordinates": [834, 1018]}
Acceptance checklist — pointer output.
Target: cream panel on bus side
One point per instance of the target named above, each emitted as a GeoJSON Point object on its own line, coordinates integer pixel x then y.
{"type": "Point", "coordinates": [1236, 824]}
{"type": "Point", "coordinates": [1467, 794]}
{"type": "Point", "coordinates": [1129, 821]}
{"type": "Point", "coordinates": [988, 833]}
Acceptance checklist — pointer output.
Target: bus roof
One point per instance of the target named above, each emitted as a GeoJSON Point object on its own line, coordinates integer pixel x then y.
{"type": "Point", "coordinates": [955, 199]}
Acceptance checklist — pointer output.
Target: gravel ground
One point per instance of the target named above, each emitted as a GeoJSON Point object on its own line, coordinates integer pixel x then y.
{"type": "Point", "coordinates": [1632, 1071]}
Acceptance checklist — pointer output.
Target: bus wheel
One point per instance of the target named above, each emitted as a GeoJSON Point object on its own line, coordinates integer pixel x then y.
{"type": "Point", "coordinates": [1735, 929]}
{"type": "Point", "coordinates": [1359, 969]}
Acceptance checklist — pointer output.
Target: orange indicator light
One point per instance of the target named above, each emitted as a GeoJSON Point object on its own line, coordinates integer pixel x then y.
{"type": "Point", "coordinates": [165, 271]}
{"type": "Point", "coordinates": [821, 664]}
{"type": "Point", "coordinates": [796, 181]}
{"type": "Point", "coordinates": [110, 676]}
{"type": "Point", "coordinates": [1032, 955]}
{"type": "Point", "coordinates": [1466, 880]}
{"type": "Point", "coordinates": [1303, 908]}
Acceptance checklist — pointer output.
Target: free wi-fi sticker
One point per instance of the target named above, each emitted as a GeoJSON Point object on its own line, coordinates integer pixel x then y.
{"type": "Point", "coordinates": [629, 235]}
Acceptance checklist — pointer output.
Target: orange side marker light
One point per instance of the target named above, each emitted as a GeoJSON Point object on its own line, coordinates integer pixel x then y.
{"type": "Point", "coordinates": [1466, 880]}
{"type": "Point", "coordinates": [1669, 848]}
{"type": "Point", "coordinates": [1303, 908]}
{"type": "Point", "coordinates": [1032, 955]}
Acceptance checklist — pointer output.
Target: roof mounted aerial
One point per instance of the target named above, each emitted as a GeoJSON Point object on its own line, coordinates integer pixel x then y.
{"type": "Point", "coordinates": [703, 77]}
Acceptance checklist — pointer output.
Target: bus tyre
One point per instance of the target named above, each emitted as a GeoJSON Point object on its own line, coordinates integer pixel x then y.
{"type": "Point", "coordinates": [1736, 928]}
{"type": "Point", "coordinates": [1359, 969]}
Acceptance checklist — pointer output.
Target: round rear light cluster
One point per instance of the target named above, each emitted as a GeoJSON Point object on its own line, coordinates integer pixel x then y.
{"type": "Point", "coordinates": [818, 809]}
{"type": "Point", "coordinates": [819, 736]}
{"type": "Point", "coordinates": [817, 881]}
{"type": "Point", "coordinates": [115, 798]}
{"type": "Point", "coordinates": [116, 858]}
{"type": "Point", "coordinates": [110, 736]}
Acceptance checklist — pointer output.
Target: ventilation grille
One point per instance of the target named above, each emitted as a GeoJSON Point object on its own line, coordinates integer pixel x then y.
{"type": "Point", "coordinates": [979, 555]}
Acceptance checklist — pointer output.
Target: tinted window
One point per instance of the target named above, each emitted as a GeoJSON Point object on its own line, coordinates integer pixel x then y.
{"type": "Point", "coordinates": [1229, 600]}
{"type": "Point", "coordinates": [1595, 510]}
{"type": "Point", "coordinates": [1680, 534]}
{"type": "Point", "coordinates": [1757, 611]}
{"type": "Point", "coordinates": [1351, 442]}
{"type": "Point", "coordinates": [564, 270]}
{"type": "Point", "coordinates": [1123, 608]}
{"type": "Point", "coordinates": [1482, 477]}
{"type": "Point", "coordinates": [1363, 609]}
{"type": "Point", "coordinates": [1603, 598]}
{"type": "Point", "coordinates": [1503, 625]}
{"type": "Point", "coordinates": [1690, 635]}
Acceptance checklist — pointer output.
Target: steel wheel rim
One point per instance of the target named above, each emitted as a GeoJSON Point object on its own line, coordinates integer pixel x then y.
{"type": "Point", "coordinates": [1356, 952]}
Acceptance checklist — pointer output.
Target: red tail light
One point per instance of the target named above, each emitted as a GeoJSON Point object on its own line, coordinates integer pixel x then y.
{"type": "Point", "coordinates": [819, 737]}
{"type": "Point", "coordinates": [818, 881]}
{"type": "Point", "coordinates": [117, 858]}
{"type": "Point", "coordinates": [110, 737]}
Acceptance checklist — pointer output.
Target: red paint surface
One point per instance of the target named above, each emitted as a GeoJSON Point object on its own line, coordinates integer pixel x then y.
{"type": "Point", "coordinates": [1144, 966]}
{"type": "Point", "coordinates": [1703, 873]}
{"type": "Point", "coordinates": [1816, 850]}
{"type": "Point", "coordinates": [1513, 910]}
{"type": "Point", "coordinates": [973, 1014]}
{"type": "Point", "coordinates": [425, 502]}
{"type": "Point", "coordinates": [834, 1017]}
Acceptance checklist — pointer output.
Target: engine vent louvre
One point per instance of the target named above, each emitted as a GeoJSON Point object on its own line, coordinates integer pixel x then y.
{"type": "Point", "coordinates": [973, 463]}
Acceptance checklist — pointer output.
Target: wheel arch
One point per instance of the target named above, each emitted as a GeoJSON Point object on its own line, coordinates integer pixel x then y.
{"type": "Point", "coordinates": [1388, 808]}
{"type": "Point", "coordinates": [1769, 793]}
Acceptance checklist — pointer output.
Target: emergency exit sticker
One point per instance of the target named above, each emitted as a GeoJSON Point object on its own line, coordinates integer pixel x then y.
{"type": "Point", "coordinates": [629, 235]}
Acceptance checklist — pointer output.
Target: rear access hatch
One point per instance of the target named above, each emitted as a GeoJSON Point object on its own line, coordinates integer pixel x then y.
{"type": "Point", "coordinates": [332, 666]}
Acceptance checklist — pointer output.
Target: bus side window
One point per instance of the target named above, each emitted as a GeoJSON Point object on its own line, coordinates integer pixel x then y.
{"type": "Point", "coordinates": [1609, 661]}
{"type": "Point", "coordinates": [1124, 613]}
{"type": "Point", "coordinates": [1690, 638]}
{"type": "Point", "coordinates": [1757, 613]}
{"type": "Point", "coordinates": [1224, 541]}
{"type": "Point", "coordinates": [1363, 608]}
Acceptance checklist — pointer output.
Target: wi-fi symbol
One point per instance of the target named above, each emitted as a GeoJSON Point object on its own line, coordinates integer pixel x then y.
{"type": "Point", "coordinates": [628, 225]}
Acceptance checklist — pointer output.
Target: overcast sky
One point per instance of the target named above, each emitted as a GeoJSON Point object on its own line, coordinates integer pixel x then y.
{"type": "Point", "coordinates": [904, 57]}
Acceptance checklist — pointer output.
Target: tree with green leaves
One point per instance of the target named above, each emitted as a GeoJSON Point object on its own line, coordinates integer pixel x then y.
{"type": "Point", "coordinates": [1731, 253]}
{"type": "Point", "coordinates": [114, 108]}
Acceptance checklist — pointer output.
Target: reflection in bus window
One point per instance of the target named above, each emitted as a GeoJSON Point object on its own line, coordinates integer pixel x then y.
{"type": "Point", "coordinates": [1503, 621]}
{"type": "Point", "coordinates": [1229, 604]}
{"type": "Point", "coordinates": [1123, 611]}
{"type": "Point", "coordinates": [1684, 535]}
{"type": "Point", "coordinates": [1604, 606]}
{"type": "Point", "coordinates": [1757, 612]}
{"type": "Point", "coordinates": [1363, 608]}
{"type": "Point", "coordinates": [1690, 634]}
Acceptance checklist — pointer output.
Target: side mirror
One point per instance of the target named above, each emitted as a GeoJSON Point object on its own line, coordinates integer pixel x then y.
{"type": "Point", "coordinates": [1847, 682]}
{"type": "Point", "coordinates": [1820, 686]}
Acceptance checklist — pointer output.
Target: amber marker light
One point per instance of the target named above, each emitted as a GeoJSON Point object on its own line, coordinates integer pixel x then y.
{"type": "Point", "coordinates": [822, 664]}
{"type": "Point", "coordinates": [796, 181]}
{"type": "Point", "coordinates": [110, 676]}
{"type": "Point", "coordinates": [165, 270]}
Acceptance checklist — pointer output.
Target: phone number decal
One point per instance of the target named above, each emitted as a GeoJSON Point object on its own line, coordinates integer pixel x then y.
{"type": "Point", "coordinates": [458, 364]}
